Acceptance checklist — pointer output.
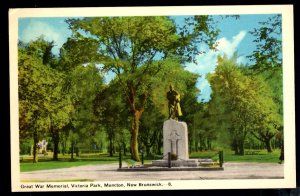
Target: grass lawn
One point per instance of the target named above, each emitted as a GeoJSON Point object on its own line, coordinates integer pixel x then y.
{"type": "Point", "coordinates": [57, 164]}
{"type": "Point", "coordinates": [46, 162]}
{"type": "Point", "coordinates": [259, 156]}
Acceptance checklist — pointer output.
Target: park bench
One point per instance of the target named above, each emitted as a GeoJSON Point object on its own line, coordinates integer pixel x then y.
{"type": "Point", "coordinates": [252, 152]}
{"type": "Point", "coordinates": [206, 161]}
{"type": "Point", "coordinates": [130, 163]}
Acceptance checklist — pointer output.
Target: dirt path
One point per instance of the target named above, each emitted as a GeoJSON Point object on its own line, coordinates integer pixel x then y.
{"type": "Point", "coordinates": [108, 172]}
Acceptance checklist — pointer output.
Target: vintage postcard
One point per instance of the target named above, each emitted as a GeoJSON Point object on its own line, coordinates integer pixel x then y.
{"type": "Point", "coordinates": [152, 98]}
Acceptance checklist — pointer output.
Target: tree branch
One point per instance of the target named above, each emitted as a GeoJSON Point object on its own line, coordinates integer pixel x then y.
{"type": "Point", "coordinates": [257, 137]}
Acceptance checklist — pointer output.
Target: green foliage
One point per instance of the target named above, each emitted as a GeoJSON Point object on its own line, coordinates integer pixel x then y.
{"type": "Point", "coordinates": [269, 45]}
{"type": "Point", "coordinates": [134, 49]}
{"type": "Point", "coordinates": [77, 51]}
{"type": "Point", "coordinates": [41, 49]}
{"type": "Point", "coordinates": [42, 102]}
{"type": "Point", "coordinates": [85, 82]}
{"type": "Point", "coordinates": [267, 57]}
{"type": "Point", "coordinates": [82, 83]}
{"type": "Point", "coordinates": [43, 105]}
{"type": "Point", "coordinates": [206, 128]}
{"type": "Point", "coordinates": [246, 102]}
{"type": "Point", "coordinates": [127, 42]}
{"type": "Point", "coordinates": [25, 146]}
{"type": "Point", "coordinates": [171, 72]}
{"type": "Point", "coordinates": [268, 66]}
{"type": "Point", "coordinates": [150, 128]}
{"type": "Point", "coordinates": [26, 167]}
{"type": "Point", "coordinates": [112, 113]}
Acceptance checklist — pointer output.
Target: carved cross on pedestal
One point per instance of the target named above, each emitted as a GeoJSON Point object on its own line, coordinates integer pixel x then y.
{"type": "Point", "coordinates": [174, 138]}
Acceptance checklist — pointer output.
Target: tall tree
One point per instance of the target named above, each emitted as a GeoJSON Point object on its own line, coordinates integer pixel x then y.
{"type": "Point", "coordinates": [228, 86]}
{"type": "Point", "coordinates": [267, 57]}
{"type": "Point", "coordinates": [245, 100]}
{"type": "Point", "coordinates": [268, 52]}
{"type": "Point", "coordinates": [110, 110]}
{"type": "Point", "coordinates": [267, 63]}
{"type": "Point", "coordinates": [131, 47]}
{"type": "Point", "coordinates": [59, 114]}
{"type": "Point", "coordinates": [205, 127]}
{"type": "Point", "coordinates": [190, 106]}
{"type": "Point", "coordinates": [151, 125]}
{"type": "Point", "coordinates": [77, 51]}
{"type": "Point", "coordinates": [84, 80]}
{"type": "Point", "coordinates": [31, 100]}
{"type": "Point", "coordinates": [40, 92]}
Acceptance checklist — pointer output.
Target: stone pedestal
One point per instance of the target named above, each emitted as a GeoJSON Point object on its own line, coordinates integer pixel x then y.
{"type": "Point", "coordinates": [175, 136]}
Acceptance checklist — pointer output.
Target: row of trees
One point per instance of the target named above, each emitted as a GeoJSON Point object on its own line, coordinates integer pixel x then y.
{"type": "Point", "coordinates": [247, 101]}
{"type": "Point", "coordinates": [244, 105]}
{"type": "Point", "coordinates": [54, 102]}
{"type": "Point", "coordinates": [65, 98]}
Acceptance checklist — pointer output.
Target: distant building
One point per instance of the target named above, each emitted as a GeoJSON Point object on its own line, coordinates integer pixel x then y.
{"type": "Point", "coordinates": [42, 146]}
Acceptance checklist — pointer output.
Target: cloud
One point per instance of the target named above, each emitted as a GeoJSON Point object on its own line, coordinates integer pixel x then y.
{"type": "Point", "coordinates": [206, 63]}
{"type": "Point", "coordinates": [36, 29]}
{"type": "Point", "coordinates": [228, 47]}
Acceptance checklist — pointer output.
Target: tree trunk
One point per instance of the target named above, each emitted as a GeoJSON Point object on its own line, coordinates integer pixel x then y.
{"type": "Point", "coordinates": [190, 146]}
{"type": "Point", "coordinates": [63, 148]}
{"type": "Point", "coordinates": [35, 143]}
{"type": "Point", "coordinates": [208, 144]}
{"type": "Point", "coordinates": [159, 143]}
{"type": "Point", "coordinates": [55, 138]}
{"type": "Point", "coordinates": [196, 145]}
{"type": "Point", "coordinates": [77, 151]}
{"type": "Point", "coordinates": [113, 147]}
{"type": "Point", "coordinates": [159, 146]}
{"type": "Point", "coordinates": [268, 144]}
{"type": "Point", "coordinates": [281, 157]}
{"type": "Point", "coordinates": [148, 153]}
{"type": "Point", "coordinates": [241, 148]}
{"type": "Point", "coordinates": [72, 150]}
{"type": "Point", "coordinates": [110, 147]}
{"type": "Point", "coordinates": [235, 147]}
{"type": "Point", "coordinates": [201, 144]}
{"type": "Point", "coordinates": [134, 136]}
{"type": "Point", "coordinates": [124, 149]}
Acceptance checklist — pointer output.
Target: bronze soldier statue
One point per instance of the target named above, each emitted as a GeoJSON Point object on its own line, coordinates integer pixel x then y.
{"type": "Point", "coordinates": [174, 105]}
